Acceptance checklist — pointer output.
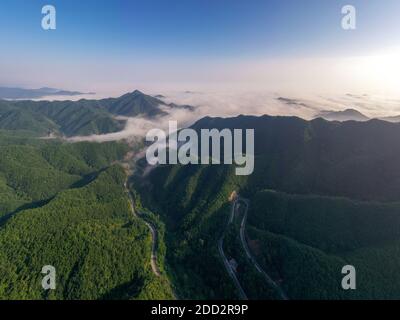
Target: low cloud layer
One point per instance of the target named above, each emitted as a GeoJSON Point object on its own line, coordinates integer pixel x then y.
{"type": "Point", "coordinates": [231, 104]}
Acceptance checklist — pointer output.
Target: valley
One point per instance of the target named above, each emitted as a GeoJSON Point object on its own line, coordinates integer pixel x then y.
{"type": "Point", "coordinates": [199, 158]}
{"type": "Point", "coordinates": [323, 195]}
{"type": "Point", "coordinates": [330, 212]}
{"type": "Point", "coordinates": [86, 228]}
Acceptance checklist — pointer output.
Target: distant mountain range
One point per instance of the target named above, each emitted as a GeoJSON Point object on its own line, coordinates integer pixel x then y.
{"type": "Point", "coordinates": [351, 115]}
{"type": "Point", "coordinates": [83, 117]}
{"type": "Point", "coordinates": [21, 93]}
{"type": "Point", "coordinates": [391, 119]}
{"type": "Point", "coordinates": [345, 115]}
{"type": "Point", "coordinates": [89, 116]}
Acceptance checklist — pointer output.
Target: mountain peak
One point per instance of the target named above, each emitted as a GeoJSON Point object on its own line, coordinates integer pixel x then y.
{"type": "Point", "coordinates": [345, 115]}
{"type": "Point", "coordinates": [133, 94]}
{"type": "Point", "coordinates": [139, 103]}
{"type": "Point", "coordinates": [136, 103]}
{"type": "Point", "coordinates": [137, 92]}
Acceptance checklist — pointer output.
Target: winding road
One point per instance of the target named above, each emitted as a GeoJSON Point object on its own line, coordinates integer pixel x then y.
{"type": "Point", "coordinates": [153, 231]}
{"type": "Point", "coordinates": [235, 205]}
{"type": "Point", "coordinates": [153, 259]}
{"type": "Point", "coordinates": [267, 278]}
{"type": "Point", "coordinates": [227, 265]}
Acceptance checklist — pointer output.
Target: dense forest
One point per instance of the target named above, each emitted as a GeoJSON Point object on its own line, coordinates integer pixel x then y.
{"type": "Point", "coordinates": [322, 234]}
{"type": "Point", "coordinates": [194, 206]}
{"type": "Point", "coordinates": [83, 117]}
{"type": "Point", "coordinates": [65, 205]}
{"type": "Point", "coordinates": [323, 195]}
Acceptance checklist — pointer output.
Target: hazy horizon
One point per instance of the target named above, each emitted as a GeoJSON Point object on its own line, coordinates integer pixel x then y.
{"type": "Point", "coordinates": [232, 104]}
{"type": "Point", "coordinates": [226, 58]}
{"type": "Point", "coordinates": [114, 47]}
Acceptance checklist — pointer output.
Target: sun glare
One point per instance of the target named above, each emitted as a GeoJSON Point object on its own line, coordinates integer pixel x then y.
{"type": "Point", "coordinates": [382, 69]}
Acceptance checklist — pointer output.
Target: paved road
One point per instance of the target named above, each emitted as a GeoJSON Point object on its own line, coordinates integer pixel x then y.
{"type": "Point", "coordinates": [153, 258]}
{"type": "Point", "coordinates": [227, 265]}
{"type": "Point", "coordinates": [267, 278]}
{"type": "Point", "coordinates": [153, 231]}
{"type": "Point", "coordinates": [126, 164]}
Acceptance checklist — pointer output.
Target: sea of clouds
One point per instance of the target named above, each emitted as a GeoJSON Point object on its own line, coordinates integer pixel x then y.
{"type": "Point", "coordinates": [231, 104]}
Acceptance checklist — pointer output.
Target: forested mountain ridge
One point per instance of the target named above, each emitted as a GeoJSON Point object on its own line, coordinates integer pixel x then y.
{"type": "Point", "coordinates": [323, 194]}
{"type": "Point", "coordinates": [35, 171]}
{"type": "Point", "coordinates": [99, 249]}
{"type": "Point", "coordinates": [345, 115]}
{"type": "Point", "coordinates": [138, 103]}
{"type": "Point", "coordinates": [340, 192]}
{"type": "Point", "coordinates": [82, 117]}
{"type": "Point", "coordinates": [305, 240]}
{"type": "Point", "coordinates": [66, 205]}
{"type": "Point", "coordinates": [351, 159]}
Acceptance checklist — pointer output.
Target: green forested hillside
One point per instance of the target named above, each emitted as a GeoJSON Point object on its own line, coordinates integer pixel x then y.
{"type": "Point", "coordinates": [65, 205]}
{"type": "Point", "coordinates": [90, 236]}
{"type": "Point", "coordinates": [62, 117]}
{"type": "Point", "coordinates": [83, 117]}
{"type": "Point", "coordinates": [322, 195]}
{"type": "Point", "coordinates": [32, 171]}
{"type": "Point", "coordinates": [329, 223]}
{"type": "Point", "coordinates": [14, 118]}
{"type": "Point", "coordinates": [193, 205]}
{"type": "Point", "coordinates": [322, 234]}
{"type": "Point", "coordinates": [135, 103]}
{"type": "Point", "coordinates": [338, 204]}
{"type": "Point", "coordinates": [357, 160]}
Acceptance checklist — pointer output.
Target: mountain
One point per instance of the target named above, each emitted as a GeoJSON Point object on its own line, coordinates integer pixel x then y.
{"type": "Point", "coordinates": [137, 103]}
{"type": "Point", "coordinates": [21, 93]}
{"type": "Point", "coordinates": [60, 117]}
{"type": "Point", "coordinates": [83, 117]}
{"type": "Point", "coordinates": [14, 118]}
{"type": "Point", "coordinates": [351, 159]}
{"type": "Point", "coordinates": [58, 198]}
{"type": "Point", "coordinates": [323, 195]}
{"type": "Point", "coordinates": [394, 119]}
{"type": "Point", "coordinates": [345, 115]}
{"type": "Point", "coordinates": [352, 115]}
{"type": "Point", "coordinates": [305, 240]}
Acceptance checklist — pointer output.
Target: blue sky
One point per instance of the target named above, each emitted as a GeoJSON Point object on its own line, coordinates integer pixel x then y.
{"type": "Point", "coordinates": [167, 40]}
